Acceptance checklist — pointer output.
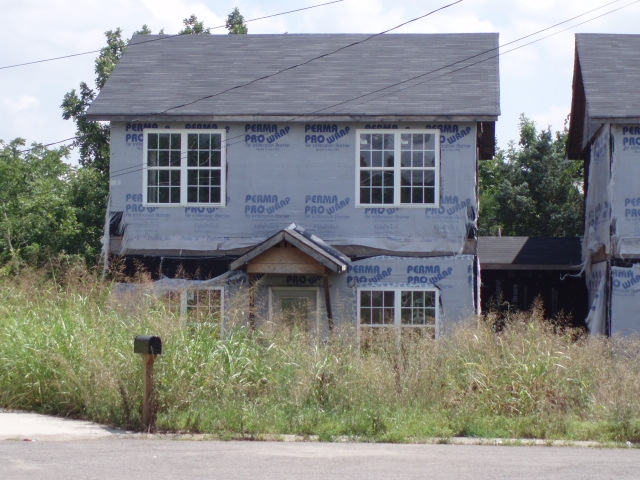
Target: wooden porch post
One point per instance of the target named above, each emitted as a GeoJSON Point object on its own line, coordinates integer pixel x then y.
{"type": "Point", "coordinates": [327, 301]}
{"type": "Point", "coordinates": [252, 298]}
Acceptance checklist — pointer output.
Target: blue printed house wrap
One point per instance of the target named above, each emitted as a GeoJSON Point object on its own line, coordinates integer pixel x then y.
{"type": "Point", "coordinates": [220, 142]}
{"type": "Point", "coordinates": [605, 134]}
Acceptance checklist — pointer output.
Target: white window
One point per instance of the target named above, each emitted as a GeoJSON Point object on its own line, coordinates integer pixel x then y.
{"type": "Point", "coordinates": [400, 308]}
{"type": "Point", "coordinates": [184, 167]}
{"type": "Point", "coordinates": [198, 304]}
{"type": "Point", "coordinates": [205, 304]}
{"type": "Point", "coordinates": [398, 167]}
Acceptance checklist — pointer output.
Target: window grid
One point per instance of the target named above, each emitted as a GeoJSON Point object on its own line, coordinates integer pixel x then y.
{"type": "Point", "coordinates": [184, 168]}
{"type": "Point", "coordinates": [377, 158]}
{"type": "Point", "coordinates": [398, 307]}
{"type": "Point", "coordinates": [418, 308]}
{"type": "Point", "coordinates": [163, 167]}
{"type": "Point", "coordinates": [398, 168]}
{"type": "Point", "coordinates": [204, 168]}
{"type": "Point", "coordinates": [204, 304]}
{"type": "Point", "coordinates": [418, 168]}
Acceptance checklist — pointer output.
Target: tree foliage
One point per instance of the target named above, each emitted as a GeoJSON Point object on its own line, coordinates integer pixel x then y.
{"type": "Point", "coordinates": [48, 207]}
{"type": "Point", "coordinates": [531, 189]}
{"type": "Point", "coordinates": [37, 218]}
{"type": "Point", "coordinates": [235, 23]}
{"type": "Point", "coordinates": [92, 142]}
{"type": "Point", "coordinates": [90, 185]}
{"type": "Point", "coordinates": [193, 27]}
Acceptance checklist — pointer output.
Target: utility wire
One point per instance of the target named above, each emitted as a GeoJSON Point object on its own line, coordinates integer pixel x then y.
{"type": "Point", "coordinates": [511, 50]}
{"type": "Point", "coordinates": [309, 61]}
{"type": "Point", "coordinates": [229, 140]}
{"type": "Point", "coordinates": [164, 37]}
{"type": "Point", "coordinates": [290, 67]}
{"type": "Point", "coordinates": [381, 33]}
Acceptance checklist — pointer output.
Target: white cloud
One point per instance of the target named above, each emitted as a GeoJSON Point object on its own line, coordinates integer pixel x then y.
{"type": "Point", "coordinates": [14, 105]}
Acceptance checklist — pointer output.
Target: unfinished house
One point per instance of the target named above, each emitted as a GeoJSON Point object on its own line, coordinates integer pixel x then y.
{"type": "Point", "coordinates": [334, 174]}
{"type": "Point", "coordinates": [605, 133]}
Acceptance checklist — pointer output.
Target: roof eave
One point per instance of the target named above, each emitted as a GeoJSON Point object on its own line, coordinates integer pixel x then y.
{"type": "Point", "coordinates": [293, 117]}
{"type": "Point", "coordinates": [578, 111]}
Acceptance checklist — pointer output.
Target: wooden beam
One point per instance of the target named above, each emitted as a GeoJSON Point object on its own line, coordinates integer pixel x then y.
{"type": "Point", "coordinates": [252, 301]}
{"type": "Point", "coordinates": [285, 261]}
{"type": "Point", "coordinates": [327, 301]}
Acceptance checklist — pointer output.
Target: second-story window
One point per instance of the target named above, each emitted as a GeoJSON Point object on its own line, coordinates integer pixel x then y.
{"type": "Point", "coordinates": [398, 167]}
{"type": "Point", "coordinates": [184, 167]}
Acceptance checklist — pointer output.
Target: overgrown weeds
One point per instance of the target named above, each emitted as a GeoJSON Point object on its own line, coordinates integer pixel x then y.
{"type": "Point", "coordinates": [66, 348]}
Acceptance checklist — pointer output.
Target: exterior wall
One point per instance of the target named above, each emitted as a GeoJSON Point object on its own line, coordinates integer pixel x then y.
{"type": "Point", "coordinates": [625, 190]}
{"type": "Point", "coordinates": [625, 298]}
{"type": "Point", "coordinates": [451, 276]}
{"type": "Point", "coordinates": [598, 201]}
{"type": "Point", "coordinates": [305, 176]}
{"type": "Point", "coordinates": [597, 319]}
{"type": "Point", "coordinates": [613, 222]}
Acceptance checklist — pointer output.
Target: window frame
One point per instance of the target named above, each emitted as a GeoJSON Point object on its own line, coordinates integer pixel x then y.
{"type": "Point", "coordinates": [184, 168]}
{"type": "Point", "coordinates": [397, 324]}
{"type": "Point", "coordinates": [274, 290]}
{"type": "Point", "coordinates": [179, 298]}
{"type": "Point", "coordinates": [398, 168]}
{"type": "Point", "coordinates": [194, 291]}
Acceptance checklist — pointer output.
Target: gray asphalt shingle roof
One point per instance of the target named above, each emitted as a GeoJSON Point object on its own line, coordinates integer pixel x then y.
{"type": "Point", "coordinates": [610, 66]}
{"type": "Point", "coordinates": [184, 76]}
{"type": "Point", "coordinates": [513, 252]}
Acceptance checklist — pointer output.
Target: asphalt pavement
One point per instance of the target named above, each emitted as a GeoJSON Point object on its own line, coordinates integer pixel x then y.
{"type": "Point", "coordinates": [52, 448]}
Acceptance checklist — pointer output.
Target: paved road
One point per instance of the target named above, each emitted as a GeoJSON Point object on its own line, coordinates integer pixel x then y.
{"type": "Point", "coordinates": [119, 457]}
{"type": "Point", "coordinates": [44, 448]}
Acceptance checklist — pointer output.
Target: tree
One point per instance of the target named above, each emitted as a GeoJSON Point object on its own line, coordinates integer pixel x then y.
{"type": "Point", "coordinates": [532, 189]}
{"type": "Point", "coordinates": [92, 138]}
{"type": "Point", "coordinates": [36, 215]}
{"type": "Point", "coordinates": [193, 27]}
{"type": "Point", "coordinates": [235, 23]}
{"type": "Point", "coordinates": [92, 141]}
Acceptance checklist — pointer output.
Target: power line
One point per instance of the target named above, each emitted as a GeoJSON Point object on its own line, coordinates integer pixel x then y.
{"type": "Point", "coordinates": [519, 46]}
{"type": "Point", "coordinates": [139, 168]}
{"type": "Point", "coordinates": [164, 37]}
{"type": "Point", "coordinates": [228, 140]}
{"type": "Point", "coordinates": [292, 66]}
{"type": "Point", "coordinates": [324, 55]}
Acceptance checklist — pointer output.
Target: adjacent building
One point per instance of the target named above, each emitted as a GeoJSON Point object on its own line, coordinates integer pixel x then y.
{"type": "Point", "coordinates": [605, 133]}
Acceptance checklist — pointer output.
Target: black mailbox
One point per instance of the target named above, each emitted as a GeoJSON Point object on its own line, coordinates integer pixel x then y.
{"type": "Point", "coordinates": [147, 345]}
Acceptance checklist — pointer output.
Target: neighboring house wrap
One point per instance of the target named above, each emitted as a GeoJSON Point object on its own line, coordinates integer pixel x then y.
{"type": "Point", "coordinates": [605, 133]}
{"type": "Point", "coordinates": [335, 172]}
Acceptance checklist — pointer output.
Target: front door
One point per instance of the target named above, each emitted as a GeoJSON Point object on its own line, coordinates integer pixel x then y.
{"type": "Point", "coordinates": [295, 308]}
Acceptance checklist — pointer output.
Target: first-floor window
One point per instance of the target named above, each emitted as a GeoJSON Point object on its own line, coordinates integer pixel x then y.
{"type": "Point", "coordinates": [205, 304]}
{"type": "Point", "coordinates": [198, 304]}
{"type": "Point", "coordinates": [404, 309]}
{"type": "Point", "coordinates": [184, 167]}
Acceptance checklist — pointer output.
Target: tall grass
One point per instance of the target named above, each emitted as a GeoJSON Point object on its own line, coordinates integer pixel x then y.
{"type": "Point", "coordinates": [66, 347]}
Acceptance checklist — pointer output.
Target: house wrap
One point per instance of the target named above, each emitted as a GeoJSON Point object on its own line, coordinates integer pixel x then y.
{"type": "Point", "coordinates": [334, 173]}
{"type": "Point", "coordinates": [605, 133]}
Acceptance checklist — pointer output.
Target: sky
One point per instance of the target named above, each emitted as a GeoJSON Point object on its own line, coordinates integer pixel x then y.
{"type": "Point", "coordinates": [535, 79]}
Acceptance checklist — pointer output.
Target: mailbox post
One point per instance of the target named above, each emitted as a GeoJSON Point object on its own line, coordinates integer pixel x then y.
{"type": "Point", "coordinates": [149, 347]}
